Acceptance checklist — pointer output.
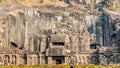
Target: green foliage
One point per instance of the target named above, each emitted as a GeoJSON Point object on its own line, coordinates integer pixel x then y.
{"type": "Point", "coordinates": [41, 1]}
{"type": "Point", "coordinates": [1, 1]}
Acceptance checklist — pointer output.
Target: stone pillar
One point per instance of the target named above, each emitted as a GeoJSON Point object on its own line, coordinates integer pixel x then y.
{"type": "Point", "coordinates": [66, 60]}
{"type": "Point", "coordinates": [27, 59]}
{"type": "Point", "coordinates": [82, 60]}
{"type": "Point", "coordinates": [43, 44]}
{"type": "Point", "coordinates": [10, 58]}
{"type": "Point", "coordinates": [49, 60]}
{"type": "Point", "coordinates": [86, 60]}
{"type": "Point", "coordinates": [18, 60]}
{"type": "Point", "coordinates": [26, 36]}
{"type": "Point", "coordinates": [42, 59]}
{"type": "Point", "coordinates": [34, 60]}
{"type": "Point", "coordinates": [30, 60]}
{"type": "Point", "coordinates": [2, 57]}
{"type": "Point", "coordinates": [32, 44]}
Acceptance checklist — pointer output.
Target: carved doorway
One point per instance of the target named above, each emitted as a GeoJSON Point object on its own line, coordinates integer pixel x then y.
{"type": "Point", "coordinates": [6, 60]}
{"type": "Point", "coordinates": [58, 59]}
{"type": "Point", "coordinates": [25, 58]}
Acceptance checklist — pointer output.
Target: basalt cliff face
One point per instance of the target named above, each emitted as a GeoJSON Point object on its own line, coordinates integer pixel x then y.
{"type": "Point", "coordinates": [39, 29]}
{"type": "Point", "coordinates": [19, 24]}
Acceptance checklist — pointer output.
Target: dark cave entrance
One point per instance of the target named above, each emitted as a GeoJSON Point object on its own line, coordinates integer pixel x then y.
{"type": "Point", "coordinates": [58, 59]}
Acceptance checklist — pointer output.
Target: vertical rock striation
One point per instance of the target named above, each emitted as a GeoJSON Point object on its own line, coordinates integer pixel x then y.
{"type": "Point", "coordinates": [32, 30]}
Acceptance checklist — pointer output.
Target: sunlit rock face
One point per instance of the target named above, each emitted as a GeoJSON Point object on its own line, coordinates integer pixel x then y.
{"type": "Point", "coordinates": [37, 32]}
{"type": "Point", "coordinates": [25, 24]}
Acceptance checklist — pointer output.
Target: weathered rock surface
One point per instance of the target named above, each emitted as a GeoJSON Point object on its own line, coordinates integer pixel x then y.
{"type": "Point", "coordinates": [27, 23]}
{"type": "Point", "coordinates": [36, 29]}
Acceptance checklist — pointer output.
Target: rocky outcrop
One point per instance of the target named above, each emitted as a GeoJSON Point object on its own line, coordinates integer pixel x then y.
{"type": "Point", "coordinates": [33, 30]}
{"type": "Point", "coordinates": [24, 25]}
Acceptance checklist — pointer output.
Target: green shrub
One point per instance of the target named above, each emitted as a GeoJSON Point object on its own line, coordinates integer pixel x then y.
{"type": "Point", "coordinates": [41, 1]}
{"type": "Point", "coordinates": [0, 1]}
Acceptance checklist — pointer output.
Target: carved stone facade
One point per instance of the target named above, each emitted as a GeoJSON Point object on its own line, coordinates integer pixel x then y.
{"type": "Point", "coordinates": [31, 36]}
